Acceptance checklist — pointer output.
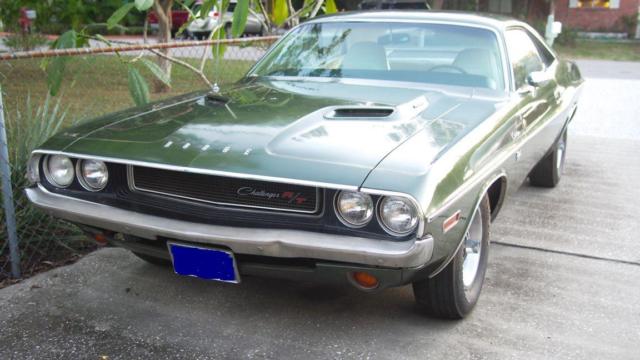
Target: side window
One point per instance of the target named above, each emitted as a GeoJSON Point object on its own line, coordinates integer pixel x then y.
{"type": "Point", "coordinates": [523, 55]}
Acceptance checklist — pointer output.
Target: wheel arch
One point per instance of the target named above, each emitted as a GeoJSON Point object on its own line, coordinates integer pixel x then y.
{"type": "Point", "coordinates": [497, 191]}
{"type": "Point", "coordinates": [498, 183]}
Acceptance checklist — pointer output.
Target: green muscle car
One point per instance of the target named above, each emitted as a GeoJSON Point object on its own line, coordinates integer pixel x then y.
{"type": "Point", "coordinates": [369, 148]}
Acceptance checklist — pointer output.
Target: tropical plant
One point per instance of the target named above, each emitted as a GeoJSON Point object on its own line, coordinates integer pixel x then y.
{"type": "Point", "coordinates": [42, 237]}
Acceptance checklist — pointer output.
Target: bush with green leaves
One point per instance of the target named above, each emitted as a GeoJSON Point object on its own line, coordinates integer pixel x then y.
{"type": "Point", "coordinates": [567, 37]}
{"type": "Point", "coordinates": [58, 16]}
{"type": "Point", "coordinates": [24, 42]}
{"type": "Point", "coordinates": [629, 23]}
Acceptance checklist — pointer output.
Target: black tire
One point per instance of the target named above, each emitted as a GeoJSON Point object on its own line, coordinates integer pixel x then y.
{"type": "Point", "coordinates": [445, 295]}
{"type": "Point", "coordinates": [548, 171]}
{"type": "Point", "coordinates": [153, 260]}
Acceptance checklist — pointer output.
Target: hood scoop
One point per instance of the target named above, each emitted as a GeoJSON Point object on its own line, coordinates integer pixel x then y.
{"type": "Point", "coordinates": [406, 110]}
{"type": "Point", "coordinates": [360, 112]}
{"type": "Point", "coordinates": [216, 99]}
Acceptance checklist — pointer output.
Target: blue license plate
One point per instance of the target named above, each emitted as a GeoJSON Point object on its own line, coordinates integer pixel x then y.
{"type": "Point", "coordinates": [204, 263]}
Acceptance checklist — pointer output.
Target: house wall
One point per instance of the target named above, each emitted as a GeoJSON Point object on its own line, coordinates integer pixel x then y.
{"type": "Point", "coordinates": [595, 19]}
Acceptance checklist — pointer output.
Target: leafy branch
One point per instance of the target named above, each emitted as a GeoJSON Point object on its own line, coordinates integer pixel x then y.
{"type": "Point", "coordinates": [283, 13]}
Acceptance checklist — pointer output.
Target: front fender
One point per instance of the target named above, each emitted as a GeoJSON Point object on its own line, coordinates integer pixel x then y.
{"type": "Point", "coordinates": [447, 243]}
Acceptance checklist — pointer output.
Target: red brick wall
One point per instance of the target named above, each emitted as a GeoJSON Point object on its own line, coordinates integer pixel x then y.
{"type": "Point", "coordinates": [594, 19]}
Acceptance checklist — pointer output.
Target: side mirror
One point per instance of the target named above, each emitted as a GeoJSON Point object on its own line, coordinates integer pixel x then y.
{"type": "Point", "coordinates": [538, 78]}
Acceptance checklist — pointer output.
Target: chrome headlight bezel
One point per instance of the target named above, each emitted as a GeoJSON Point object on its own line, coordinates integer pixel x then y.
{"type": "Point", "coordinates": [82, 177]}
{"type": "Point", "coordinates": [384, 221]}
{"type": "Point", "coordinates": [51, 178]}
{"type": "Point", "coordinates": [343, 219]}
{"type": "Point", "coordinates": [33, 169]}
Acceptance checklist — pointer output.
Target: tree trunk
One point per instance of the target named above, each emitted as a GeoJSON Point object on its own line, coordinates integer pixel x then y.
{"type": "Point", "coordinates": [163, 12]}
{"type": "Point", "coordinates": [437, 4]}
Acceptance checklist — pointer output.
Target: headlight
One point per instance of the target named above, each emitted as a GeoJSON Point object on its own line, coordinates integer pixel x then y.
{"type": "Point", "coordinates": [398, 215]}
{"type": "Point", "coordinates": [93, 174]}
{"type": "Point", "coordinates": [59, 170]}
{"type": "Point", "coordinates": [354, 209]}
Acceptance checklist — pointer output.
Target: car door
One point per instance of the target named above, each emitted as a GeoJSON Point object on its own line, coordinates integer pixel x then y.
{"type": "Point", "coordinates": [535, 90]}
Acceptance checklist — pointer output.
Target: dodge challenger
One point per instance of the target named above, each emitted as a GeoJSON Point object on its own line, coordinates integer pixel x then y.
{"type": "Point", "coordinates": [372, 149]}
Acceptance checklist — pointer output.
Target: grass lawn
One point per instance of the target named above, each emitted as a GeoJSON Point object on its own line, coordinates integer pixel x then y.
{"type": "Point", "coordinates": [601, 50]}
{"type": "Point", "coordinates": [96, 85]}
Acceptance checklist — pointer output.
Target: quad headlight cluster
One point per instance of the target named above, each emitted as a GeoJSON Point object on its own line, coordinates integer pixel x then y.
{"type": "Point", "coordinates": [60, 171]}
{"type": "Point", "coordinates": [397, 215]}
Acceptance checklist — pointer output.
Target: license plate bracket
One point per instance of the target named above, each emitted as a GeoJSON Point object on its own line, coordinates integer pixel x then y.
{"type": "Point", "coordinates": [204, 263]}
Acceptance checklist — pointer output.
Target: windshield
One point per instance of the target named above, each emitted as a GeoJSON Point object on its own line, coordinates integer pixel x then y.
{"type": "Point", "coordinates": [426, 53]}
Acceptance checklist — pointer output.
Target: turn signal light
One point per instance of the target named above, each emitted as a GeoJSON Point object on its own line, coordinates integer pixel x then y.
{"type": "Point", "coordinates": [100, 238]}
{"type": "Point", "coordinates": [365, 280]}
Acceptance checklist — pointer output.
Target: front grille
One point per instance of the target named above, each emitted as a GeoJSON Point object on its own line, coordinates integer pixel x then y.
{"type": "Point", "coordinates": [225, 190]}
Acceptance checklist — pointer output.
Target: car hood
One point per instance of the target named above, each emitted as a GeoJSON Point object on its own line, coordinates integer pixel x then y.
{"type": "Point", "coordinates": [307, 131]}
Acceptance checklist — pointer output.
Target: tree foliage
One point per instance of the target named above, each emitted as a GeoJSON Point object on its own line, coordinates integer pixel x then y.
{"type": "Point", "coordinates": [283, 13]}
{"type": "Point", "coordinates": [58, 16]}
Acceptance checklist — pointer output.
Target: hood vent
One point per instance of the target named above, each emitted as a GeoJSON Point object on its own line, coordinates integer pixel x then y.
{"type": "Point", "coordinates": [215, 98]}
{"type": "Point", "coordinates": [360, 113]}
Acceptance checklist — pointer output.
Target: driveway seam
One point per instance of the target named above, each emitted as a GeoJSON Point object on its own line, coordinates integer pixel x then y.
{"type": "Point", "coordinates": [568, 253]}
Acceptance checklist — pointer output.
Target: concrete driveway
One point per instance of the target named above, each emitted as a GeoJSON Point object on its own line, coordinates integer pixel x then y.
{"type": "Point", "coordinates": [563, 282]}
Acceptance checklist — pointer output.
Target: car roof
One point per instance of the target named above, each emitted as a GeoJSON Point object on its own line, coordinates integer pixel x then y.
{"type": "Point", "coordinates": [496, 22]}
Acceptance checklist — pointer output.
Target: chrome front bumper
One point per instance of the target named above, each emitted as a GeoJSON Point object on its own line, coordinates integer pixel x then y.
{"type": "Point", "coordinates": [266, 242]}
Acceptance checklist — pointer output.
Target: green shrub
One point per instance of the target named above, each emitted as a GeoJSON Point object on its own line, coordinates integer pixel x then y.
{"type": "Point", "coordinates": [24, 42]}
{"type": "Point", "coordinates": [628, 23]}
{"type": "Point", "coordinates": [42, 238]}
{"type": "Point", "coordinates": [567, 37]}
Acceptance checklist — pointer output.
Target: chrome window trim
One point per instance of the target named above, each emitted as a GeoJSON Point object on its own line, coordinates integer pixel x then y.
{"type": "Point", "coordinates": [496, 32]}
{"type": "Point", "coordinates": [134, 188]}
{"type": "Point", "coordinates": [532, 34]}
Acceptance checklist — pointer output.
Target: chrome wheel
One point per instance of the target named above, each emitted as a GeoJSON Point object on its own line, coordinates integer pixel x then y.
{"type": "Point", "coordinates": [453, 292]}
{"type": "Point", "coordinates": [472, 248]}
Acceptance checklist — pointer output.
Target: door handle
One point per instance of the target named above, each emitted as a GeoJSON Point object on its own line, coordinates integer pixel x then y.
{"type": "Point", "coordinates": [518, 128]}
